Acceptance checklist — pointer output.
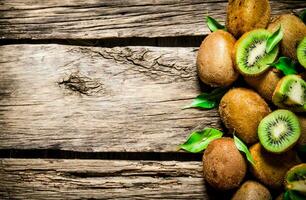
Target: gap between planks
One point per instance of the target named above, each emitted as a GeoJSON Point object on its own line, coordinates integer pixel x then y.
{"type": "Point", "coordinates": [61, 154]}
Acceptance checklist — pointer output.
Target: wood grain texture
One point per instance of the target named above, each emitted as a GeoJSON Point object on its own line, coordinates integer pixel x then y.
{"type": "Point", "coordinates": [94, 19]}
{"type": "Point", "coordinates": [98, 99]}
{"type": "Point", "coordinates": [100, 179]}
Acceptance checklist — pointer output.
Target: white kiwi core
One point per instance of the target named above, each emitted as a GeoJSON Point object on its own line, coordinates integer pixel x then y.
{"type": "Point", "coordinates": [256, 52]}
{"type": "Point", "coordinates": [296, 94]}
{"type": "Point", "coordinates": [279, 129]}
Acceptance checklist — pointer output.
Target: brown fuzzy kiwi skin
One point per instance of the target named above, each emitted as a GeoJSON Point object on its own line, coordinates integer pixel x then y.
{"type": "Point", "coordinates": [241, 110]}
{"type": "Point", "coordinates": [280, 197]}
{"type": "Point", "coordinates": [245, 15]}
{"type": "Point", "coordinates": [265, 83]}
{"type": "Point", "coordinates": [214, 60]}
{"type": "Point", "coordinates": [270, 169]}
{"type": "Point", "coordinates": [302, 139]}
{"type": "Point", "coordinates": [224, 166]}
{"type": "Point", "coordinates": [252, 190]}
{"type": "Point", "coordinates": [294, 31]}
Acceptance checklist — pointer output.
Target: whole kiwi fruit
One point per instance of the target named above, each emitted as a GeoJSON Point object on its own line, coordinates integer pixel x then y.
{"type": "Point", "coordinates": [245, 15]}
{"type": "Point", "coordinates": [302, 139]}
{"type": "Point", "coordinates": [223, 165]}
{"type": "Point", "coordinates": [214, 60]}
{"type": "Point", "coordinates": [241, 110]}
{"type": "Point", "coordinates": [269, 168]}
{"type": "Point", "coordinates": [265, 83]}
{"type": "Point", "coordinates": [280, 197]}
{"type": "Point", "coordinates": [294, 31]}
{"type": "Point", "coordinates": [252, 190]}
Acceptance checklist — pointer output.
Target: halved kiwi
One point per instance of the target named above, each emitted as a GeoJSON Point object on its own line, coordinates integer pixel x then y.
{"type": "Point", "coordinates": [279, 131]}
{"type": "Point", "coordinates": [296, 179]}
{"type": "Point", "coordinates": [290, 93]}
{"type": "Point", "coordinates": [301, 52]}
{"type": "Point", "coordinates": [250, 56]}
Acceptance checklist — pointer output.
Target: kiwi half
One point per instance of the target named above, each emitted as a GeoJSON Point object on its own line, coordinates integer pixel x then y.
{"type": "Point", "coordinates": [301, 52]}
{"type": "Point", "coordinates": [279, 131]}
{"type": "Point", "coordinates": [250, 56]}
{"type": "Point", "coordinates": [296, 179]}
{"type": "Point", "coordinates": [290, 93]}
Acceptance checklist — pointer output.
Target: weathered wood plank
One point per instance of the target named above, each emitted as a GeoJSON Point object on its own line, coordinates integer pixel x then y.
{"type": "Point", "coordinates": [98, 99]}
{"type": "Point", "coordinates": [100, 179]}
{"type": "Point", "coordinates": [94, 19]}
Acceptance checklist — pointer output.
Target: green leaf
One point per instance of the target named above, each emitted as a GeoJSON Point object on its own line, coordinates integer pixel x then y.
{"type": "Point", "coordinates": [199, 140]}
{"type": "Point", "coordinates": [303, 16]}
{"type": "Point", "coordinates": [295, 195]}
{"type": "Point", "coordinates": [242, 147]}
{"type": "Point", "coordinates": [286, 65]}
{"type": "Point", "coordinates": [213, 24]}
{"type": "Point", "coordinates": [286, 196]}
{"type": "Point", "coordinates": [274, 39]}
{"type": "Point", "coordinates": [208, 100]}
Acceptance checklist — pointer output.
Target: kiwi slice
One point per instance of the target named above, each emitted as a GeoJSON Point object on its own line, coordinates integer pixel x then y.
{"type": "Point", "coordinates": [251, 58]}
{"type": "Point", "coordinates": [290, 93]}
{"type": "Point", "coordinates": [301, 52]}
{"type": "Point", "coordinates": [279, 131]}
{"type": "Point", "coordinates": [296, 179]}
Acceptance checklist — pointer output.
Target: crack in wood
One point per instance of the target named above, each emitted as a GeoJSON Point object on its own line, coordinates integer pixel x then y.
{"type": "Point", "coordinates": [82, 84]}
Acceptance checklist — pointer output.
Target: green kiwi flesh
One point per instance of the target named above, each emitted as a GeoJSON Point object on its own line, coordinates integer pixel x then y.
{"type": "Point", "coordinates": [251, 57]}
{"type": "Point", "coordinates": [301, 52]}
{"type": "Point", "coordinates": [290, 93]}
{"type": "Point", "coordinates": [296, 179]}
{"type": "Point", "coordinates": [279, 131]}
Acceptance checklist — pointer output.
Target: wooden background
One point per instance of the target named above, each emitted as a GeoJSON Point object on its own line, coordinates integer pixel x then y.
{"type": "Point", "coordinates": [91, 95]}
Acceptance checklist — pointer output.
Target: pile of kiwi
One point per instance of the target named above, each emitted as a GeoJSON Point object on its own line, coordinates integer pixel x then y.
{"type": "Point", "coordinates": [267, 108]}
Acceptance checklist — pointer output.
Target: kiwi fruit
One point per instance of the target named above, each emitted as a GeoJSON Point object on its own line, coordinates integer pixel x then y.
{"type": "Point", "coordinates": [241, 110]}
{"type": "Point", "coordinates": [269, 168]}
{"type": "Point", "coordinates": [302, 140]}
{"type": "Point", "coordinates": [296, 179]}
{"type": "Point", "coordinates": [250, 54]}
{"type": "Point", "coordinates": [279, 131]}
{"type": "Point", "coordinates": [214, 60]}
{"type": "Point", "coordinates": [301, 52]}
{"type": "Point", "coordinates": [290, 93]}
{"type": "Point", "coordinates": [294, 30]}
{"type": "Point", "coordinates": [252, 190]}
{"type": "Point", "coordinates": [280, 197]}
{"type": "Point", "coordinates": [223, 165]}
{"type": "Point", "coordinates": [245, 15]}
{"type": "Point", "coordinates": [265, 83]}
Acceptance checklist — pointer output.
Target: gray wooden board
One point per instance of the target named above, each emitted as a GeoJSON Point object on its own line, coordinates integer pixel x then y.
{"type": "Point", "coordinates": [100, 179]}
{"type": "Point", "coordinates": [98, 99]}
{"type": "Point", "coordinates": [94, 19]}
